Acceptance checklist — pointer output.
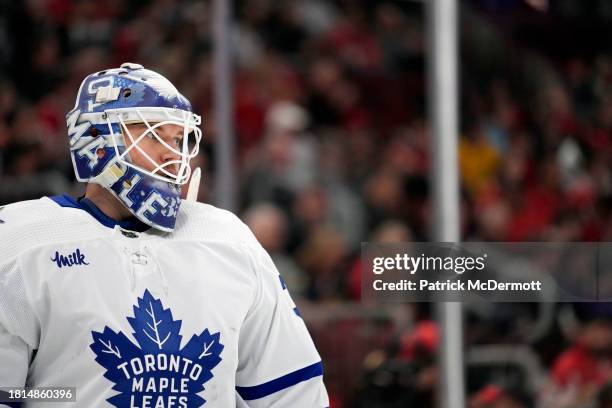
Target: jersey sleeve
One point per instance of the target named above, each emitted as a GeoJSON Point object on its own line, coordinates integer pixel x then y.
{"type": "Point", "coordinates": [18, 327]}
{"type": "Point", "coordinates": [278, 365]}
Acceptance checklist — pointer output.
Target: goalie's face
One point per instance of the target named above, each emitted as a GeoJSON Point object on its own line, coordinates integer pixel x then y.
{"type": "Point", "coordinates": [161, 149]}
{"type": "Point", "coordinates": [155, 152]}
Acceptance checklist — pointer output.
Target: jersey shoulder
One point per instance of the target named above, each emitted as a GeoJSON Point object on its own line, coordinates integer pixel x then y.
{"type": "Point", "coordinates": [27, 224]}
{"type": "Point", "coordinates": [201, 221]}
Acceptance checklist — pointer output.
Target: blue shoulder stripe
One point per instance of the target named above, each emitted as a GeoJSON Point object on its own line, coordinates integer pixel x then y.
{"type": "Point", "coordinates": [286, 381]}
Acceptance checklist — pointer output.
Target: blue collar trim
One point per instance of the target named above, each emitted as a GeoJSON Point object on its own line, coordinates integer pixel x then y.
{"type": "Point", "coordinates": [87, 205]}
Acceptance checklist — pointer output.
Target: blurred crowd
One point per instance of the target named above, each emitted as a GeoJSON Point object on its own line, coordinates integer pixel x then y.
{"type": "Point", "coordinates": [333, 146]}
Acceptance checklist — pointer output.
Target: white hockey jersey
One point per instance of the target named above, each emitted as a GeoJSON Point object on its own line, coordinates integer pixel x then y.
{"type": "Point", "coordinates": [196, 317]}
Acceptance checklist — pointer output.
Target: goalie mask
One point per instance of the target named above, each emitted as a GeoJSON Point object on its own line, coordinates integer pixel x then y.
{"type": "Point", "coordinates": [110, 106]}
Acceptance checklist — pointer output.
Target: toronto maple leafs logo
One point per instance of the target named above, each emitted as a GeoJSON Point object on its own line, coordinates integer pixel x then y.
{"type": "Point", "coordinates": [156, 372]}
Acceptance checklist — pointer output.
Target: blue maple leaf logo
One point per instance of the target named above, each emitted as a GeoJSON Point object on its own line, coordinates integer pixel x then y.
{"type": "Point", "coordinates": [157, 370]}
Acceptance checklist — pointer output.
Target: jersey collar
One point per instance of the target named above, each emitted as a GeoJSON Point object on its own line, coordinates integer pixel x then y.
{"type": "Point", "coordinates": [87, 205]}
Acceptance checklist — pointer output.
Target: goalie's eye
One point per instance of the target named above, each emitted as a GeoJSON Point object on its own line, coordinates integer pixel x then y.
{"type": "Point", "coordinates": [174, 141]}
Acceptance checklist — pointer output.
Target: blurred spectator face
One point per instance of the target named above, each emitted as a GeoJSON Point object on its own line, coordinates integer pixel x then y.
{"type": "Point", "coordinates": [46, 56]}
{"type": "Point", "coordinates": [493, 220]}
{"type": "Point", "coordinates": [311, 205]}
{"type": "Point", "coordinates": [361, 149]}
{"type": "Point", "coordinates": [556, 101]}
{"type": "Point", "coordinates": [597, 337]}
{"type": "Point", "coordinates": [269, 226]}
{"type": "Point", "coordinates": [403, 157]}
{"type": "Point", "coordinates": [278, 150]}
{"type": "Point", "coordinates": [332, 157]}
{"type": "Point", "coordinates": [284, 123]}
{"type": "Point", "coordinates": [323, 252]}
{"type": "Point", "coordinates": [516, 160]}
{"type": "Point", "coordinates": [324, 73]}
{"type": "Point", "coordinates": [28, 124]}
{"type": "Point", "coordinates": [343, 95]}
{"type": "Point", "coordinates": [392, 231]}
{"type": "Point", "coordinates": [384, 191]}
{"type": "Point", "coordinates": [389, 17]}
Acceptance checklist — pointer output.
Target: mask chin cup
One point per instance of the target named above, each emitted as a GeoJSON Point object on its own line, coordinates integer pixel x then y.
{"type": "Point", "coordinates": [152, 201]}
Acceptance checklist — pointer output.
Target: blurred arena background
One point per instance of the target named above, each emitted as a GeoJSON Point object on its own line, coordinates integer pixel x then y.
{"type": "Point", "coordinates": [333, 149]}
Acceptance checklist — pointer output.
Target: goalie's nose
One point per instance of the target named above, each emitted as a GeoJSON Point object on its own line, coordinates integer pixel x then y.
{"type": "Point", "coordinates": [170, 156]}
{"type": "Point", "coordinates": [171, 161]}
